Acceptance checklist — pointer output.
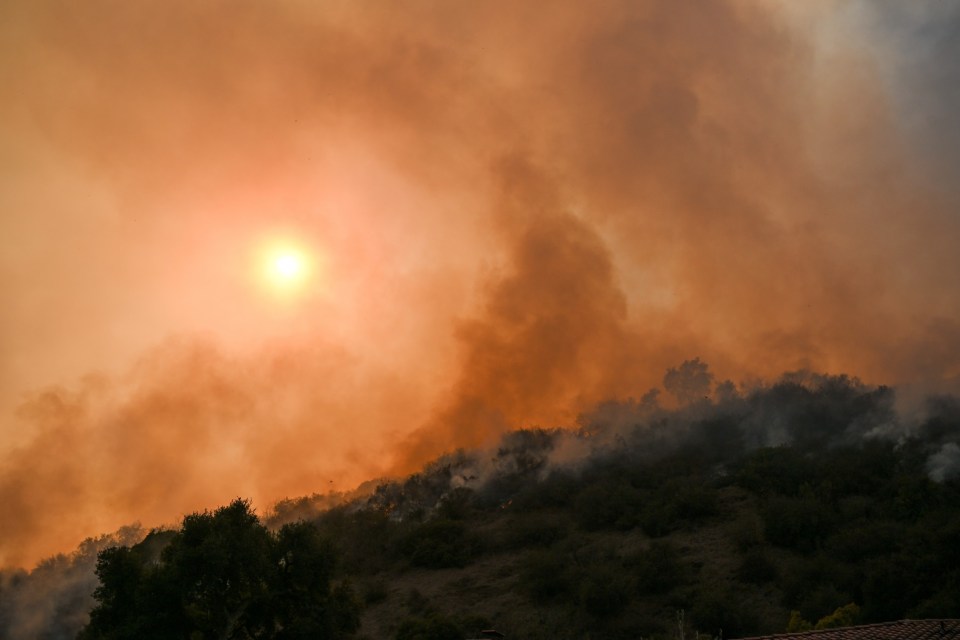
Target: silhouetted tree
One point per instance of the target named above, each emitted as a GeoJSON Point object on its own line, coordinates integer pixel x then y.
{"type": "Point", "coordinates": [439, 544]}
{"type": "Point", "coordinates": [222, 575]}
{"type": "Point", "coordinates": [689, 382]}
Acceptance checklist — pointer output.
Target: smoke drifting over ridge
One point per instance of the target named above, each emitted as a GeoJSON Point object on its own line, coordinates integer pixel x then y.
{"type": "Point", "coordinates": [522, 213]}
{"type": "Point", "coordinates": [551, 330]}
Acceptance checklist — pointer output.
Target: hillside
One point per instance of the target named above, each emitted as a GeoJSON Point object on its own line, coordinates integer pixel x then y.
{"type": "Point", "coordinates": [737, 512]}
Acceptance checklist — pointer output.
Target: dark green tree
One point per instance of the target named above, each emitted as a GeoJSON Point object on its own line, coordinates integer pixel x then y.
{"type": "Point", "coordinates": [439, 544]}
{"type": "Point", "coordinates": [223, 575]}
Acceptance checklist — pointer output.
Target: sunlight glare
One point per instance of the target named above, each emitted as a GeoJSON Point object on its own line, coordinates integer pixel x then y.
{"type": "Point", "coordinates": [287, 268]}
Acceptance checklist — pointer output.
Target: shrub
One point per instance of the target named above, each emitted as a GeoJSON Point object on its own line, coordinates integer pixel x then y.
{"type": "Point", "coordinates": [545, 576]}
{"type": "Point", "coordinates": [819, 602]}
{"type": "Point", "coordinates": [607, 505]}
{"type": "Point", "coordinates": [536, 530]}
{"type": "Point", "coordinates": [657, 570]}
{"type": "Point", "coordinates": [695, 501]}
{"type": "Point", "coordinates": [375, 591]}
{"type": "Point", "coordinates": [797, 624]}
{"type": "Point", "coordinates": [844, 616]}
{"type": "Point", "coordinates": [777, 470]}
{"type": "Point", "coordinates": [439, 544]}
{"type": "Point", "coordinates": [714, 612]}
{"type": "Point", "coordinates": [604, 593]}
{"type": "Point", "coordinates": [455, 505]}
{"type": "Point", "coordinates": [433, 626]}
{"type": "Point", "coordinates": [556, 490]}
{"type": "Point", "coordinates": [797, 523]}
{"type": "Point", "coordinates": [756, 567]}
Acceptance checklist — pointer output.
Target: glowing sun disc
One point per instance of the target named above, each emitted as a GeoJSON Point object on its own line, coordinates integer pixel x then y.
{"type": "Point", "coordinates": [289, 265]}
{"type": "Point", "coordinates": [286, 268]}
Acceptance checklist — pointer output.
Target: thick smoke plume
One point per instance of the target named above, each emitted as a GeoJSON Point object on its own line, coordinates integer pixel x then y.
{"type": "Point", "coordinates": [551, 328]}
{"type": "Point", "coordinates": [521, 213]}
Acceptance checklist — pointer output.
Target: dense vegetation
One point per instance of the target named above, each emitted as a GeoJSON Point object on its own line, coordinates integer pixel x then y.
{"type": "Point", "coordinates": [222, 575]}
{"type": "Point", "coordinates": [807, 503]}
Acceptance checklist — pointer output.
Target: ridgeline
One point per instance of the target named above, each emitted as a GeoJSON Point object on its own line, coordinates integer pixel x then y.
{"type": "Point", "coordinates": [806, 503]}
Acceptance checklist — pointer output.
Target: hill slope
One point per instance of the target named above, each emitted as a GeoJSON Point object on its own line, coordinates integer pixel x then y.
{"type": "Point", "coordinates": [810, 501]}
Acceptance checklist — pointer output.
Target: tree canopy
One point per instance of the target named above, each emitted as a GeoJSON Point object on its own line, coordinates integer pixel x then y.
{"type": "Point", "coordinates": [222, 576]}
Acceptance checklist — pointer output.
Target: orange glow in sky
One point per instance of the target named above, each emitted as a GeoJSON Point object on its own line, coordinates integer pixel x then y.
{"type": "Point", "coordinates": [265, 249]}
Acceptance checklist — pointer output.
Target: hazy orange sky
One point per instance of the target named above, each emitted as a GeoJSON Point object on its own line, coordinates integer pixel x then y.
{"type": "Point", "coordinates": [513, 210]}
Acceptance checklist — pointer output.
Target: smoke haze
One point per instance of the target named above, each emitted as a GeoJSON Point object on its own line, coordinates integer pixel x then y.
{"type": "Point", "coordinates": [518, 213]}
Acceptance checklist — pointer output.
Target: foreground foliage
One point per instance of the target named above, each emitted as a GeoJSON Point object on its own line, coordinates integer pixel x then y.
{"type": "Point", "coordinates": [222, 575]}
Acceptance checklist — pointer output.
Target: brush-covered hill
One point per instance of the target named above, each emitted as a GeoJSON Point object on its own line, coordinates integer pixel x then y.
{"type": "Point", "coordinates": [811, 501]}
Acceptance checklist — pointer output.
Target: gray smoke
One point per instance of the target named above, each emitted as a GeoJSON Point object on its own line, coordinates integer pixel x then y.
{"type": "Point", "coordinates": [53, 601]}
{"type": "Point", "coordinates": [945, 463]}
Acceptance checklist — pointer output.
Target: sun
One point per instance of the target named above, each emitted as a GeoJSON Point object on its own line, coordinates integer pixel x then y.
{"type": "Point", "coordinates": [287, 268]}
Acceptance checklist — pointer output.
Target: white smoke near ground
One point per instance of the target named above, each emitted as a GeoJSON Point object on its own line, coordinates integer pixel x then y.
{"type": "Point", "coordinates": [804, 409]}
{"type": "Point", "coordinates": [945, 463]}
